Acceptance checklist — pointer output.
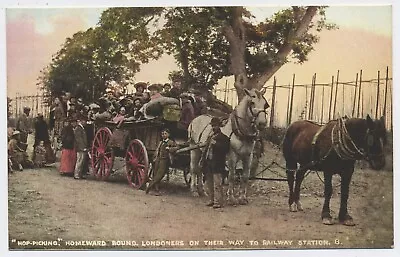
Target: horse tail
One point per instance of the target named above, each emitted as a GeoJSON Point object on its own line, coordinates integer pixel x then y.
{"type": "Point", "coordinates": [287, 148]}
{"type": "Point", "coordinates": [287, 143]}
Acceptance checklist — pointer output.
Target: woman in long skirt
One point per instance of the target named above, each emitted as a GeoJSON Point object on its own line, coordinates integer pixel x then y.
{"type": "Point", "coordinates": [68, 153]}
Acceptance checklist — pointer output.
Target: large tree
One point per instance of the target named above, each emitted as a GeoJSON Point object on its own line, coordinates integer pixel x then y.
{"type": "Point", "coordinates": [212, 42]}
{"type": "Point", "coordinates": [257, 51]}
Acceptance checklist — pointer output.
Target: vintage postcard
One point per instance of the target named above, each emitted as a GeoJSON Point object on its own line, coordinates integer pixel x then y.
{"type": "Point", "coordinates": [200, 127]}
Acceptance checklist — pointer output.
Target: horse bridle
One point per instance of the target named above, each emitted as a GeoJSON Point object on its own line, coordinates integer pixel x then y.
{"type": "Point", "coordinates": [252, 122]}
{"type": "Point", "coordinates": [346, 149]}
{"type": "Point", "coordinates": [369, 142]}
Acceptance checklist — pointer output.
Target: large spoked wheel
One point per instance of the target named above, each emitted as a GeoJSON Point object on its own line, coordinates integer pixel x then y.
{"type": "Point", "coordinates": [137, 164]}
{"type": "Point", "coordinates": [102, 154]}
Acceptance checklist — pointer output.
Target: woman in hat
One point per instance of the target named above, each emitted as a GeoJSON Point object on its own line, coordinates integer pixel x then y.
{"type": "Point", "coordinates": [68, 153]}
{"type": "Point", "coordinates": [140, 88]}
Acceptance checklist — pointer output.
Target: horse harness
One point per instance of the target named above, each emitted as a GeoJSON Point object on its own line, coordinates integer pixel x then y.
{"type": "Point", "coordinates": [342, 144]}
{"type": "Point", "coordinates": [238, 130]}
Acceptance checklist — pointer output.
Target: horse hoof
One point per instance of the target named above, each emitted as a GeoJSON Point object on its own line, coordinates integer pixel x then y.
{"type": "Point", "coordinates": [243, 201]}
{"type": "Point", "coordinates": [195, 194]}
{"type": "Point", "coordinates": [299, 206]}
{"type": "Point", "coordinates": [327, 221]}
{"type": "Point", "coordinates": [293, 207]}
{"type": "Point", "coordinates": [348, 222]}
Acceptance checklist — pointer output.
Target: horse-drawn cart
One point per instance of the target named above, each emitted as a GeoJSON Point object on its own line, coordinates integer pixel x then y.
{"type": "Point", "coordinates": [136, 142]}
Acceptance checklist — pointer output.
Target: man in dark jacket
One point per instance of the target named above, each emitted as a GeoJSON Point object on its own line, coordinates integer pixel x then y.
{"type": "Point", "coordinates": [216, 151]}
{"type": "Point", "coordinates": [41, 131]}
{"type": "Point", "coordinates": [24, 126]}
{"type": "Point", "coordinates": [42, 134]}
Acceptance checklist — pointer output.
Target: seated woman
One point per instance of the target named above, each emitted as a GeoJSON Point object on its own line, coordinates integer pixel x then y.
{"type": "Point", "coordinates": [19, 158]}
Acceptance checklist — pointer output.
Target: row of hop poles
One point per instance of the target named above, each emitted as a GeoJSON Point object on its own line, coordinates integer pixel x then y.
{"type": "Point", "coordinates": [320, 109]}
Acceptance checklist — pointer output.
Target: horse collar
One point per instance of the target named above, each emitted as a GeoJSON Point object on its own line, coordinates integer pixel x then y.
{"type": "Point", "coordinates": [343, 144]}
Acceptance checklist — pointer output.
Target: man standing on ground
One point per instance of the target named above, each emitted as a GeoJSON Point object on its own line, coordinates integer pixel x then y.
{"type": "Point", "coordinates": [23, 126]}
{"type": "Point", "coordinates": [216, 151]}
{"type": "Point", "coordinates": [81, 149]}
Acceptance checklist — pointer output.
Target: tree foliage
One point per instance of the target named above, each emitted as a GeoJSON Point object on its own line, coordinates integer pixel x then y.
{"type": "Point", "coordinates": [208, 43]}
{"type": "Point", "coordinates": [89, 61]}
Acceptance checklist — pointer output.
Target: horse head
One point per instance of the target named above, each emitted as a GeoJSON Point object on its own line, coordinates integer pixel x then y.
{"type": "Point", "coordinates": [375, 140]}
{"type": "Point", "coordinates": [257, 105]}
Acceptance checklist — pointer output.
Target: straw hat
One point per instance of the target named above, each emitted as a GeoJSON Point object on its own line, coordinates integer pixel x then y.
{"type": "Point", "coordinates": [140, 84]}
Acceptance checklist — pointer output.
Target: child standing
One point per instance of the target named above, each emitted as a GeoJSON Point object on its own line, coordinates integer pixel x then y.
{"type": "Point", "coordinates": [162, 159]}
{"type": "Point", "coordinates": [40, 155]}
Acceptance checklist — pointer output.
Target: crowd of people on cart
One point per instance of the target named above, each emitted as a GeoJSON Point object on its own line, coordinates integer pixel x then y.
{"type": "Point", "coordinates": [69, 112]}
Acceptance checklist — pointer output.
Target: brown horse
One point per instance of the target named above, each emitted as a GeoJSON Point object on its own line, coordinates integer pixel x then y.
{"type": "Point", "coordinates": [333, 149]}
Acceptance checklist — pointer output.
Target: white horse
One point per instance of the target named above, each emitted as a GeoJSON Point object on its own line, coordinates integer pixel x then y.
{"type": "Point", "coordinates": [242, 128]}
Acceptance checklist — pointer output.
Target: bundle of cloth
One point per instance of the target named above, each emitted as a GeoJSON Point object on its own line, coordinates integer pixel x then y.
{"type": "Point", "coordinates": [155, 107]}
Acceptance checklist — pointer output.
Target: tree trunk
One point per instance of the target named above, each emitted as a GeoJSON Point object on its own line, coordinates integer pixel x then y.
{"type": "Point", "coordinates": [235, 34]}
{"type": "Point", "coordinates": [185, 64]}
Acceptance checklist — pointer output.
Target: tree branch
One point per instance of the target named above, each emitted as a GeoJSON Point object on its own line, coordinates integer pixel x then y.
{"type": "Point", "coordinates": [287, 46]}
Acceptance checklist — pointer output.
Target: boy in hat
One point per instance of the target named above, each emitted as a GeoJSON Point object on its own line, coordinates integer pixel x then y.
{"type": "Point", "coordinates": [162, 159]}
{"type": "Point", "coordinates": [216, 151]}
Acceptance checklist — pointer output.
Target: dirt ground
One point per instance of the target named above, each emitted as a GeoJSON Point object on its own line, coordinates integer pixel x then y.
{"type": "Point", "coordinates": [50, 211]}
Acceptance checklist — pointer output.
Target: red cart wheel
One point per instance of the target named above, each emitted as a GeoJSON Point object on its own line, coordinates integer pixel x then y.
{"type": "Point", "coordinates": [102, 156]}
{"type": "Point", "coordinates": [137, 163]}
